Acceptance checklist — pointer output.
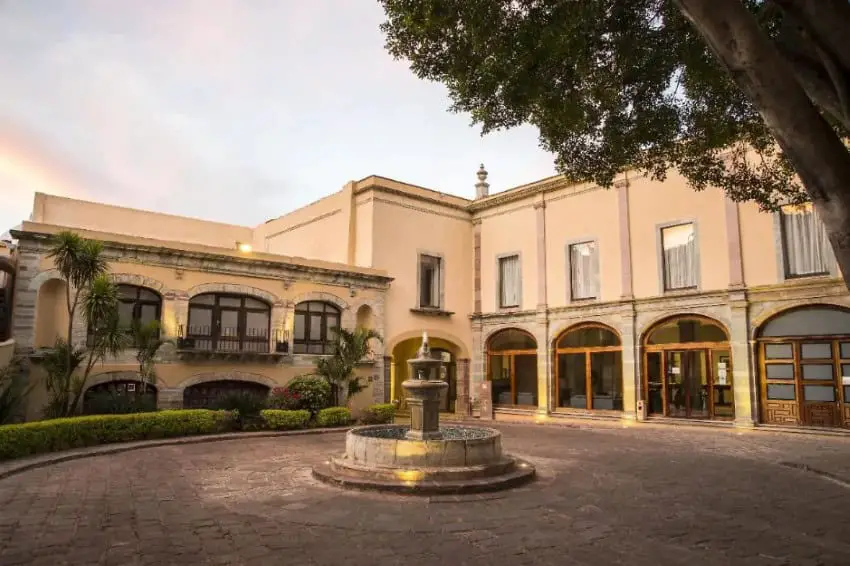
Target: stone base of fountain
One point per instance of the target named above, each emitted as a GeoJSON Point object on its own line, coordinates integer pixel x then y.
{"type": "Point", "coordinates": [464, 459]}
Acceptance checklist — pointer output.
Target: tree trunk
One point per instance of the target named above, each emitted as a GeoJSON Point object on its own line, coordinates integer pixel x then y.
{"type": "Point", "coordinates": [818, 155]}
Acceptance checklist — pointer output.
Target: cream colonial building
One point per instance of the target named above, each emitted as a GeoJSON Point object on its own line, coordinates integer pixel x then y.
{"type": "Point", "coordinates": [547, 300]}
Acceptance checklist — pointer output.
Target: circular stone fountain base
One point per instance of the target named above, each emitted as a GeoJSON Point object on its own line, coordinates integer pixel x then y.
{"type": "Point", "coordinates": [466, 459]}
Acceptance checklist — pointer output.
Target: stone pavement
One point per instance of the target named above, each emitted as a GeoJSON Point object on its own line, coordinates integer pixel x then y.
{"type": "Point", "coordinates": [644, 495]}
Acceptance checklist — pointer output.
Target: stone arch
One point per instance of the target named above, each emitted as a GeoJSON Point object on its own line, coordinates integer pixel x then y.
{"type": "Point", "coordinates": [270, 298]}
{"type": "Point", "coordinates": [42, 278]}
{"type": "Point", "coordinates": [139, 281]}
{"type": "Point", "coordinates": [463, 351]}
{"type": "Point", "coordinates": [321, 296]}
{"type": "Point", "coordinates": [7, 265]}
{"type": "Point", "coordinates": [108, 376]}
{"type": "Point", "coordinates": [759, 320]}
{"type": "Point", "coordinates": [485, 339]}
{"type": "Point", "coordinates": [227, 376]}
{"type": "Point", "coordinates": [559, 328]}
{"type": "Point", "coordinates": [721, 321]}
{"type": "Point", "coordinates": [578, 325]}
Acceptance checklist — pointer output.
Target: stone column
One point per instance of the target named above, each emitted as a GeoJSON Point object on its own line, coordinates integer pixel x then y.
{"type": "Point", "coordinates": [631, 364]}
{"type": "Point", "coordinates": [387, 376]}
{"type": "Point", "coordinates": [278, 325]}
{"type": "Point", "coordinates": [377, 379]}
{"type": "Point", "coordinates": [477, 365]}
{"type": "Point", "coordinates": [733, 239]}
{"type": "Point", "coordinates": [622, 187]}
{"type": "Point", "coordinates": [175, 313]}
{"type": "Point", "coordinates": [462, 378]}
{"type": "Point", "coordinates": [22, 324]}
{"type": "Point", "coordinates": [744, 386]}
{"type": "Point", "coordinates": [544, 368]}
{"type": "Point", "coordinates": [476, 273]}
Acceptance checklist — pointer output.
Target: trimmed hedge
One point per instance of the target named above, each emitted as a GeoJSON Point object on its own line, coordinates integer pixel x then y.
{"type": "Point", "coordinates": [278, 419]}
{"type": "Point", "coordinates": [382, 413]}
{"type": "Point", "coordinates": [333, 416]}
{"type": "Point", "coordinates": [77, 432]}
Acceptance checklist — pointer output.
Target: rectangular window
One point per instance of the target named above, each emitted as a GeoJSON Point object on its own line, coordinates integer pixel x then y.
{"type": "Point", "coordinates": [509, 281]}
{"type": "Point", "coordinates": [430, 268]}
{"type": "Point", "coordinates": [806, 248]}
{"type": "Point", "coordinates": [584, 271]}
{"type": "Point", "coordinates": [680, 256]}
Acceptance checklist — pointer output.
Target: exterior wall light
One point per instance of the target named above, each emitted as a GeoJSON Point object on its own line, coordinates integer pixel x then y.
{"type": "Point", "coordinates": [244, 247]}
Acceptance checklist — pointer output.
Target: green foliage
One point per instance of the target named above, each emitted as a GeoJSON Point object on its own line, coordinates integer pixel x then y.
{"type": "Point", "coordinates": [307, 393]}
{"type": "Point", "coordinates": [60, 364]}
{"type": "Point", "coordinates": [285, 420]}
{"type": "Point", "coordinates": [612, 84]}
{"type": "Point", "coordinates": [382, 413]}
{"type": "Point", "coordinates": [334, 416]}
{"type": "Point", "coordinates": [147, 338]}
{"type": "Point", "coordinates": [245, 407]}
{"type": "Point", "coordinates": [112, 402]}
{"type": "Point", "coordinates": [352, 346]}
{"type": "Point", "coordinates": [13, 392]}
{"type": "Point", "coordinates": [61, 434]}
{"type": "Point", "coordinates": [78, 260]}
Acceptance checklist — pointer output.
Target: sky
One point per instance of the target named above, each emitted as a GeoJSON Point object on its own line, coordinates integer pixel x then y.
{"type": "Point", "coordinates": [229, 110]}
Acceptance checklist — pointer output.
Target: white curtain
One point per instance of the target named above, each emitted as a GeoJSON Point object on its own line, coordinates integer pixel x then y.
{"type": "Point", "coordinates": [584, 271]}
{"type": "Point", "coordinates": [680, 257]}
{"type": "Point", "coordinates": [807, 248]}
{"type": "Point", "coordinates": [509, 275]}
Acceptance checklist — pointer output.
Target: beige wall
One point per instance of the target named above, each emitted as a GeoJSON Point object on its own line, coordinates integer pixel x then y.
{"type": "Point", "coordinates": [758, 245]}
{"type": "Point", "coordinates": [364, 214]}
{"type": "Point", "coordinates": [404, 227]}
{"type": "Point", "coordinates": [509, 229]}
{"type": "Point", "coordinates": [573, 216]}
{"type": "Point", "coordinates": [319, 230]}
{"type": "Point", "coordinates": [51, 321]}
{"type": "Point", "coordinates": [652, 203]}
{"type": "Point", "coordinates": [61, 211]}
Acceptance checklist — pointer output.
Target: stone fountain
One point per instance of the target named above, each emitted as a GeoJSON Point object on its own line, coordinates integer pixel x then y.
{"type": "Point", "coordinates": [424, 458]}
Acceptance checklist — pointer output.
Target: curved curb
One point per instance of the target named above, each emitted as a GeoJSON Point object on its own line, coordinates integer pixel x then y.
{"type": "Point", "coordinates": [14, 467]}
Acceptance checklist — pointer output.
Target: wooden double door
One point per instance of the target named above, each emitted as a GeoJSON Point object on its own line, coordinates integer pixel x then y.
{"type": "Point", "coordinates": [689, 382]}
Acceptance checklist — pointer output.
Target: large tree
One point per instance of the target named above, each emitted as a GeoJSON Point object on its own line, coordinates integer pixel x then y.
{"type": "Point", "coordinates": [752, 96]}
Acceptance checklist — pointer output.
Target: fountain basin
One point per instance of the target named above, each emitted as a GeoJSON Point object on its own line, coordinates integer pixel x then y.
{"type": "Point", "coordinates": [464, 459]}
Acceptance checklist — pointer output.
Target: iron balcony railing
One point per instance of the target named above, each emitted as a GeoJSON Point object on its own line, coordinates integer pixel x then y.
{"type": "Point", "coordinates": [232, 340]}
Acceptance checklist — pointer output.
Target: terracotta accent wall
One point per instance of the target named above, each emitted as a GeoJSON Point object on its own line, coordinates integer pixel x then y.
{"type": "Point", "coordinates": [572, 217]}
{"type": "Point", "coordinates": [653, 203]}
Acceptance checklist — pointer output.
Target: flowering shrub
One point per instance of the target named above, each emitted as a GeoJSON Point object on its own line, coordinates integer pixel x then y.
{"type": "Point", "coordinates": [305, 393]}
{"type": "Point", "coordinates": [284, 398]}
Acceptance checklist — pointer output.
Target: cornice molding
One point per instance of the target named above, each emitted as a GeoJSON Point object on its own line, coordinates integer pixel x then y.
{"type": "Point", "coordinates": [219, 263]}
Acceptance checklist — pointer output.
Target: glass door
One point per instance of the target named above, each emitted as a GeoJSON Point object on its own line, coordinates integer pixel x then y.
{"type": "Point", "coordinates": [687, 384]}
{"type": "Point", "coordinates": [655, 384]}
{"type": "Point", "coordinates": [820, 398]}
{"type": "Point", "coordinates": [228, 330]}
{"type": "Point", "coordinates": [722, 390]}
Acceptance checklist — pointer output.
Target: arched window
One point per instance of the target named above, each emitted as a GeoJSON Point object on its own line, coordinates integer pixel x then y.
{"type": "Point", "coordinates": [804, 367]}
{"type": "Point", "coordinates": [688, 369]}
{"type": "Point", "coordinates": [221, 322]}
{"type": "Point", "coordinates": [315, 327]}
{"type": "Point", "coordinates": [589, 372]}
{"type": "Point", "coordinates": [120, 396]}
{"type": "Point", "coordinates": [137, 306]}
{"type": "Point", "coordinates": [512, 367]}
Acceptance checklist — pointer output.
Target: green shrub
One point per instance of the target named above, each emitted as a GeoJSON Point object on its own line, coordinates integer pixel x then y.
{"type": "Point", "coordinates": [381, 413]}
{"type": "Point", "coordinates": [333, 416]}
{"type": "Point", "coordinates": [117, 403]}
{"type": "Point", "coordinates": [310, 393]}
{"type": "Point", "coordinates": [244, 407]}
{"type": "Point", "coordinates": [285, 420]}
{"type": "Point", "coordinates": [77, 432]}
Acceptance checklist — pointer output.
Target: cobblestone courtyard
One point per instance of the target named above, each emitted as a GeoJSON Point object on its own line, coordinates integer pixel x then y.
{"type": "Point", "coordinates": [648, 495]}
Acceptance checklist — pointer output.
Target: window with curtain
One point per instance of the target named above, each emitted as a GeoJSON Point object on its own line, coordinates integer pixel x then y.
{"type": "Point", "coordinates": [430, 268]}
{"type": "Point", "coordinates": [805, 244]}
{"type": "Point", "coordinates": [680, 256]}
{"type": "Point", "coordinates": [584, 270]}
{"type": "Point", "coordinates": [509, 278]}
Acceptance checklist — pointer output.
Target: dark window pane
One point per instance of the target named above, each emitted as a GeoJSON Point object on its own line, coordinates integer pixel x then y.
{"type": "Point", "coordinates": [847, 394]}
{"type": "Point", "coordinates": [256, 324]}
{"type": "Point", "coordinates": [127, 291]}
{"type": "Point", "coordinates": [255, 304]}
{"type": "Point", "coordinates": [148, 295]}
{"type": "Point", "coordinates": [125, 314]}
{"type": "Point", "coordinates": [687, 330]}
{"type": "Point", "coordinates": [819, 393]}
{"type": "Point", "coordinates": [572, 381]}
{"type": "Point", "coordinates": [148, 313]}
{"type": "Point", "coordinates": [512, 339]}
{"type": "Point", "coordinates": [817, 371]}
{"type": "Point", "coordinates": [780, 392]}
{"type": "Point", "coordinates": [525, 367]}
{"type": "Point", "coordinates": [588, 337]}
{"type": "Point", "coordinates": [779, 351]}
{"type": "Point", "coordinates": [230, 301]}
{"type": "Point", "coordinates": [606, 381]}
{"type": "Point", "coordinates": [316, 307]}
{"type": "Point", "coordinates": [316, 327]}
{"type": "Point", "coordinates": [816, 351]}
{"type": "Point", "coordinates": [845, 349]}
{"type": "Point", "coordinates": [780, 371]}
{"type": "Point", "coordinates": [229, 322]}
{"type": "Point", "coordinates": [208, 299]}
{"type": "Point", "coordinates": [300, 326]}
{"type": "Point", "coordinates": [200, 321]}
{"type": "Point", "coordinates": [316, 349]}
{"type": "Point", "coordinates": [810, 321]}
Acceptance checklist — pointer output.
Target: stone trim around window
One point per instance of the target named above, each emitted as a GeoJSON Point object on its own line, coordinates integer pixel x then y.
{"type": "Point", "coordinates": [779, 245]}
{"type": "Point", "coordinates": [659, 254]}
{"type": "Point", "coordinates": [569, 269]}
{"type": "Point", "coordinates": [498, 282]}
{"type": "Point", "coordinates": [420, 308]}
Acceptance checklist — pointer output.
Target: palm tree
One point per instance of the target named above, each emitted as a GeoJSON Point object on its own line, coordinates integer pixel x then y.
{"type": "Point", "coordinates": [351, 347]}
{"type": "Point", "coordinates": [147, 338]}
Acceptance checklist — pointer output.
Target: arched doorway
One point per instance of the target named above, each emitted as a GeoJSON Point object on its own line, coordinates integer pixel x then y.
{"type": "Point", "coordinates": [804, 367]}
{"type": "Point", "coordinates": [209, 394]}
{"type": "Point", "coordinates": [119, 396]}
{"type": "Point", "coordinates": [445, 350]}
{"type": "Point", "coordinates": [588, 368]}
{"type": "Point", "coordinates": [688, 369]}
{"type": "Point", "coordinates": [512, 368]}
{"type": "Point", "coordinates": [51, 318]}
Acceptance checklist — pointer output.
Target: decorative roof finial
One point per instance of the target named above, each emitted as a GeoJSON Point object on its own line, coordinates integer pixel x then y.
{"type": "Point", "coordinates": [482, 187]}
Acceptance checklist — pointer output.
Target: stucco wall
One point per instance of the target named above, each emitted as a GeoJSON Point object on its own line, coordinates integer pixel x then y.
{"type": "Point", "coordinates": [364, 214]}
{"type": "Point", "coordinates": [61, 211]}
{"type": "Point", "coordinates": [758, 245]}
{"type": "Point", "coordinates": [505, 230]}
